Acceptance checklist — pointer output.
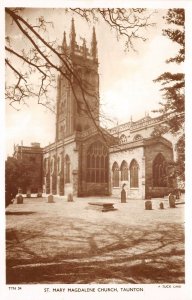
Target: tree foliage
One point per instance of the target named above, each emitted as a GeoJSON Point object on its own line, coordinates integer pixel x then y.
{"type": "Point", "coordinates": [173, 85]}
{"type": "Point", "coordinates": [176, 17]}
{"type": "Point", "coordinates": [17, 175]}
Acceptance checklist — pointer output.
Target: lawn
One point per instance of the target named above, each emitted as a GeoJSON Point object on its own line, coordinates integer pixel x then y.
{"type": "Point", "coordinates": [74, 242]}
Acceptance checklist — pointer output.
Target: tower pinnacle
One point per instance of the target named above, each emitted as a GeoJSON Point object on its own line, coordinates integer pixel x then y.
{"type": "Point", "coordinates": [72, 36]}
{"type": "Point", "coordinates": [64, 42]}
{"type": "Point", "coordinates": [94, 45]}
{"type": "Point", "coordinates": [84, 48]}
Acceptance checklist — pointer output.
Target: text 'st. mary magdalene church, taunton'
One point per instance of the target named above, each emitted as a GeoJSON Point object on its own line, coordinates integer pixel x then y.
{"type": "Point", "coordinates": [86, 159]}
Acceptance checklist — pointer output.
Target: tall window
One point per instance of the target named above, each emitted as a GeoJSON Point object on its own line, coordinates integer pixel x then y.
{"type": "Point", "coordinates": [115, 170]}
{"type": "Point", "coordinates": [67, 169]}
{"type": "Point", "coordinates": [134, 174]}
{"type": "Point", "coordinates": [159, 171]}
{"type": "Point", "coordinates": [61, 135]}
{"type": "Point", "coordinates": [53, 165]}
{"type": "Point", "coordinates": [46, 166]}
{"type": "Point", "coordinates": [59, 163]}
{"type": "Point", "coordinates": [124, 170]}
{"type": "Point", "coordinates": [97, 163]}
{"type": "Point", "coordinates": [62, 108]}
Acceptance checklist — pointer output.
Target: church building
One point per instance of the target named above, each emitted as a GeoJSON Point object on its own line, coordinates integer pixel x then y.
{"type": "Point", "coordinates": [88, 160]}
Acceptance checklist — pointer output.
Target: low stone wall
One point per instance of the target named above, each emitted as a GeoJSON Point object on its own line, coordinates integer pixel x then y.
{"type": "Point", "coordinates": [131, 193]}
{"type": "Point", "coordinates": [97, 189]}
{"type": "Point", "coordinates": [158, 192]}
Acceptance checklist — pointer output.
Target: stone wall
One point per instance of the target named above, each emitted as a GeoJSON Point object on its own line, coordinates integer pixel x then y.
{"type": "Point", "coordinates": [54, 178]}
{"type": "Point", "coordinates": [151, 151]}
{"type": "Point", "coordinates": [72, 151]}
{"type": "Point", "coordinates": [128, 156]}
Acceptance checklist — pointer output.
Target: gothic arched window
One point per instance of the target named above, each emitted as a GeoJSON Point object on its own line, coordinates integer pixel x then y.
{"type": "Point", "coordinates": [159, 171]}
{"type": "Point", "coordinates": [123, 139]}
{"type": "Point", "coordinates": [67, 169]}
{"type": "Point", "coordinates": [115, 170]}
{"type": "Point", "coordinates": [137, 137]}
{"type": "Point", "coordinates": [61, 132]}
{"type": "Point", "coordinates": [46, 166]}
{"type": "Point", "coordinates": [97, 163]}
{"type": "Point", "coordinates": [124, 170]}
{"type": "Point", "coordinates": [134, 174]}
{"type": "Point", "coordinates": [59, 164]}
{"type": "Point", "coordinates": [62, 108]}
{"type": "Point", "coordinates": [53, 162]}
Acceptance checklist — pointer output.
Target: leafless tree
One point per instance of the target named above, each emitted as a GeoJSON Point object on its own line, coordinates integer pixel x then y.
{"type": "Point", "coordinates": [44, 60]}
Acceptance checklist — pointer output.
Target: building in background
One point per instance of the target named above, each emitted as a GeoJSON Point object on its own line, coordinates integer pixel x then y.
{"type": "Point", "coordinates": [32, 158]}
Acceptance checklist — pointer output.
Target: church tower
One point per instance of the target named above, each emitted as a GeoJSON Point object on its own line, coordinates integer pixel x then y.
{"type": "Point", "coordinates": [78, 87]}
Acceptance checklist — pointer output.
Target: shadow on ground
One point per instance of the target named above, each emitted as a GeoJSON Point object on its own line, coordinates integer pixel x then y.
{"type": "Point", "coordinates": [86, 252]}
{"type": "Point", "coordinates": [19, 213]}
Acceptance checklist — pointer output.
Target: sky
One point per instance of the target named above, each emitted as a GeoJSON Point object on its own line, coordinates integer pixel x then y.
{"type": "Point", "coordinates": [126, 78]}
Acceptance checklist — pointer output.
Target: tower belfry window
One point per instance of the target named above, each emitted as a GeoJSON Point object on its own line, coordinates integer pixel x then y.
{"type": "Point", "coordinates": [70, 97]}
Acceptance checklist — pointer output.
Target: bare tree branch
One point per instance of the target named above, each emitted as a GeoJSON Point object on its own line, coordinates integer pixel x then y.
{"type": "Point", "coordinates": [41, 58]}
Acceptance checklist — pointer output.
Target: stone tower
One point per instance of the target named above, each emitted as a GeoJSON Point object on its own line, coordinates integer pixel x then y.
{"type": "Point", "coordinates": [77, 91]}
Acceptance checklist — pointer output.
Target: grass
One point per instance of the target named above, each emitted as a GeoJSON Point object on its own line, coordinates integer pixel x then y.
{"type": "Point", "coordinates": [74, 242]}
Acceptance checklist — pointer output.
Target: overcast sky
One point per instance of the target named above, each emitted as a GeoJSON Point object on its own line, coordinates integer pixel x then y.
{"type": "Point", "coordinates": [126, 78]}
